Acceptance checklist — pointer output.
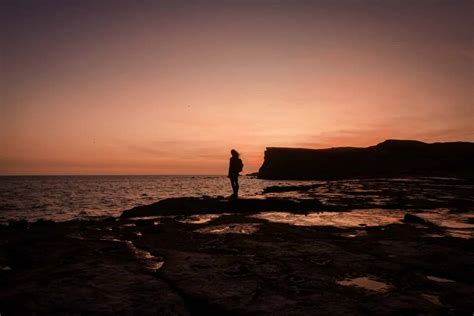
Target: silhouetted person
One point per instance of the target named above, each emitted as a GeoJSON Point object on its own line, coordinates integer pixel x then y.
{"type": "Point", "coordinates": [235, 166]}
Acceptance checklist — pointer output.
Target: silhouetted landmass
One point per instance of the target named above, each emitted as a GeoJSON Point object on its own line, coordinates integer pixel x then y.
{"type": "Point", "coordinates": [391, 158]}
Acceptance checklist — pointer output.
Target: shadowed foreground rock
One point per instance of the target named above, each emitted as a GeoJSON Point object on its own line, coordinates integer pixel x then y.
{"type": "Point", "coordinates": [358, 247]}
{"type": "Point", "coordinates": [215, 264]}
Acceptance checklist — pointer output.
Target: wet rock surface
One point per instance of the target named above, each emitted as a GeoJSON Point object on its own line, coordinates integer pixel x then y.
{"type": "Point", "coordinates": [194, 256]}
{"type": "Point", "coordinates": [76, 268]}
{"type": "Point", "coordinates": [276, 268]}
{"type": "Point", "coordinates": [392, 193]}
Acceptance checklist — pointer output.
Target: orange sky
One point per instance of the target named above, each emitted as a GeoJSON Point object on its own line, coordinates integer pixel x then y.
{"type": "Point", "coordinates": [120, 87]}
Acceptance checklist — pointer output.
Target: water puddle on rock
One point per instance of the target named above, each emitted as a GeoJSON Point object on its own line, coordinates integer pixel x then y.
{"type": "Point", "coordinates": [457, 224]}
{"type": "Point", "coordinates": [129, 225]}
{"type": "Point", "coordinates": [437, 279]}
{"type": "Point", "coordinates": [356, 218]}
{"type": "Point", "coordinates": [434, 299]}
{"type": "Point", "coordinates": [191, 219]}
{"type": "Point", "coordinates": [145, 218]}
{"type": "Point", "coordinates": [460, 233]}
{"type": "Point", "coordinates": [368, 283]}
{"type": "Point", "coordinates": [246, 229]}
{"type": "Point", "coordinates": [198, 219]}
{"type": "Point", "coordinates": [151, 262]}
{"type": "Point", "coordinates": [354, 234]}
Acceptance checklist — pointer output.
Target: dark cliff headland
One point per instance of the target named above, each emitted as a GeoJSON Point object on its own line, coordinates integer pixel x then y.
{"type": "Point", "coordinates": [391, 158]}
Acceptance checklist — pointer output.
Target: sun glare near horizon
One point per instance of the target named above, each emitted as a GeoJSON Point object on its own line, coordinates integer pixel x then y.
{"type": "Point", "coordinates": [169, 87]}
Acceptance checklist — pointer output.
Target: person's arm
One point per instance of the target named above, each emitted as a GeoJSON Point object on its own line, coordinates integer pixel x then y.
{"type": "Point", "coordinates": [230, 167]}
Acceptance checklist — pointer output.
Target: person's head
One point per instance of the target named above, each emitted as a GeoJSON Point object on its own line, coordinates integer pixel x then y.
{"type": "Point", "coordinates": [234, 153]}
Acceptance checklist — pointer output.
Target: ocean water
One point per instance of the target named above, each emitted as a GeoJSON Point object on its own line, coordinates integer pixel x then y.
{"type": "Point", "coordinates": [62, 198]}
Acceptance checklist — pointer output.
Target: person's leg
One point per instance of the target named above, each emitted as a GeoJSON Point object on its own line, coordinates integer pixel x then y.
{"type": "Point", "coordinates": [236, 185]}
{"type": "Point", "coordinates": [232, 183]}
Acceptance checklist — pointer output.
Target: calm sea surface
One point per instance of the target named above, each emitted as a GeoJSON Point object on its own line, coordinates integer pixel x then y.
{"type": "Point", "coordinates": [61, 198]}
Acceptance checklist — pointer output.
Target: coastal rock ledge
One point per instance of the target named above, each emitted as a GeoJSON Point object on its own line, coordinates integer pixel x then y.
{"type": "Point", "coordinates": [219, 205]}
{"type": "Point", "coordinates": [391, 158]}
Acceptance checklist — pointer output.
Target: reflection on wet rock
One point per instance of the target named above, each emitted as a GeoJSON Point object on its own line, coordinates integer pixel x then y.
{"type": "Point", "coordinates": [438, 279]}
{"type": "Point", "coordinates": [198, 219]}
{"type": "Point", "coordinates": [432, 299]}
{"type": "Point", "coordinates": [354, 234]}
{"type": "Point", "coordinates": [246, 229]}
{"type": "Point", "coordinates": [356, 218]}
{"type": "Point", "coordinates": [368, 283]}
{"type": "Point", "coordinates": [448, 224]}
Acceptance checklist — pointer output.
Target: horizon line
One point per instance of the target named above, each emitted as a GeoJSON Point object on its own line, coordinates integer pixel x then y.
{"type": "Point", "coordinates": [114, 175]}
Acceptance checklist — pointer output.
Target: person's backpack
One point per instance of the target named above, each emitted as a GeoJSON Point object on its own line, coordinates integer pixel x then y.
{"type": "Point", "coordinates": [240, 165]}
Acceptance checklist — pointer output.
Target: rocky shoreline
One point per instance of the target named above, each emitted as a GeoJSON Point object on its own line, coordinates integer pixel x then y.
{"type": "Point", "coordinates": [189, 265]}
{"type": "Point", "coordinates": [209, 255]}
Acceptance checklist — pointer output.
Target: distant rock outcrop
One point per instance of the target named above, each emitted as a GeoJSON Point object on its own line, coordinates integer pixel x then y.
{"type": "Point", "coordinates": [391, 158]}
{"type": "Point", "coordinates": [216, 205]}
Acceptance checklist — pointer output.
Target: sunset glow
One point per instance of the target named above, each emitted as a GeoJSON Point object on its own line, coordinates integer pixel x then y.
{"type": "Point", "coordinates": [125, 87]}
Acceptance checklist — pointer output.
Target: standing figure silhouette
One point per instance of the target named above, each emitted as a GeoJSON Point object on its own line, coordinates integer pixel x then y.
{"type": "Point", "coordinates": [235, 166]}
